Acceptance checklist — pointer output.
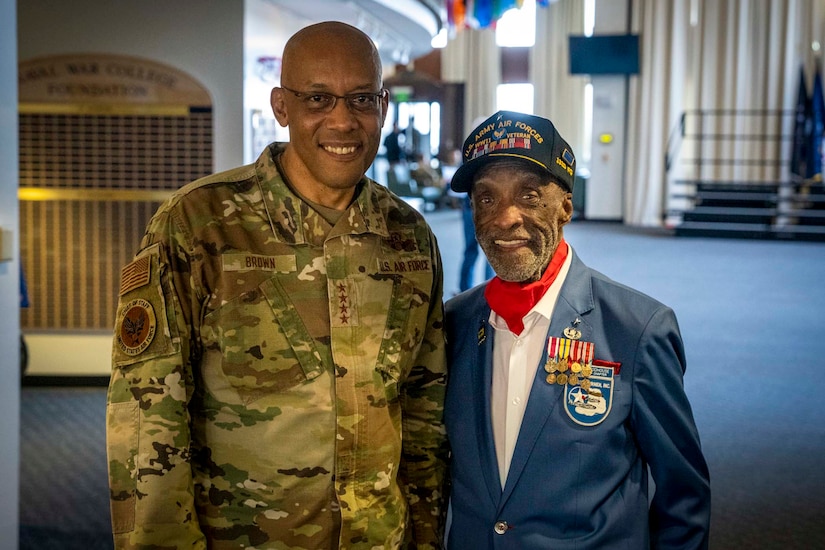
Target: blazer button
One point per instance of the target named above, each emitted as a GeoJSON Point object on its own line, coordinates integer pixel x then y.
{"type": "Point", "coordinates": [500, 527]}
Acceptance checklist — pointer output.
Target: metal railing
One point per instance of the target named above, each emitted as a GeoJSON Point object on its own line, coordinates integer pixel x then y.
{"type": "Point", "coordinates": [741, 129]}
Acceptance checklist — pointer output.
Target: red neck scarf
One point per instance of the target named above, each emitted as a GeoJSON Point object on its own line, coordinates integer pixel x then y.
{"type": "Point", "coordinates": [512, 301]}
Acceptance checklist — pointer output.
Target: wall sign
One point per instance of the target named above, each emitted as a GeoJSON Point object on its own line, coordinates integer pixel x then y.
{"type": "Point", "coordinates": [103, 79]}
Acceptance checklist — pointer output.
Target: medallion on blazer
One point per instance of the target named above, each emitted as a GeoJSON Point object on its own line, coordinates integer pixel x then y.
{"type": "Point", "coordinates": [590, 405]}
{"type": "Point", "coordinates": [588, 384]}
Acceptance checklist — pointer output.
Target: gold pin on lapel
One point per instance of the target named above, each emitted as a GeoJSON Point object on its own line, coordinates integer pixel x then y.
{"type": "Point", "coordinates": [572, 333]}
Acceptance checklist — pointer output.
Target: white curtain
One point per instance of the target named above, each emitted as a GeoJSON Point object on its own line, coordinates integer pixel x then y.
{"type": "Point", "coordinates": [655, 103]}
{"type": "Point", "coordinates": [559, 96]}
{"type": "Point", "coordinates": [472, 57]}
{"type": "Point", "coordinates": [717, 57]}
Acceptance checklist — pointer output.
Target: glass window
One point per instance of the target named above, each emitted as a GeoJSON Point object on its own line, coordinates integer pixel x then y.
{"type": "Point", "coordinates": [517, 27]}
{"type": "Point", "coordinates": [589, 17]}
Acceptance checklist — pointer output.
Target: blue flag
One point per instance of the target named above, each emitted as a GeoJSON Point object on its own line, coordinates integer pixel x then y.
{"type": "Point", "coordinates": [501, 6]}
{"type": "Point", "coordinates": [483, 13]}
{"type": "Point", "coordinates": [817, 118]}
{"type": "Point", "coordinates": [801, 128]}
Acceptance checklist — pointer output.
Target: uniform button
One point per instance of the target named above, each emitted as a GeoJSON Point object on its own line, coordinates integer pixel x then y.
{"type": "Point", "coordinates": [501, 527]}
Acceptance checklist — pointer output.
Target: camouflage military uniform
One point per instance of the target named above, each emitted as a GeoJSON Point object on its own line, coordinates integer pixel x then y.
{"type": "Point", "coordinates": [277, 382]}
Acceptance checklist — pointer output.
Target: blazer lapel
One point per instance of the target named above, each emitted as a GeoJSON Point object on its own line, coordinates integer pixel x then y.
{"type": "Point", "coordinates": [575, 300]}
{"type": "Point", "coordinates": [543, 399]}
{"type": "Point", "coordinates": [482, 382]}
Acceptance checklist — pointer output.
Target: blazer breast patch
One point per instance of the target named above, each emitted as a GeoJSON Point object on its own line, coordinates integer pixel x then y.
{"type": "Point", "coordinates": [590, 406]}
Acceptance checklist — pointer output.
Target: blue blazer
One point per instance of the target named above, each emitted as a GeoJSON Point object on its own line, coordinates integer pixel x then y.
{"type": "Point", "coordinates": [579, 485]}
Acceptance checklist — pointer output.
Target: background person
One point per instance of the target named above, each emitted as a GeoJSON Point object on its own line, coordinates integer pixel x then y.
{"type": "Point", "coordinates": [424, 174]}
{"type": "Point", "coordinates": [566, 388]}
{"type": "Point", "coordinates": [431, 184]}
{"type": "Point", "coordinates": [394, 145]}
{"type": "Point", "coordinates": [278, 365]}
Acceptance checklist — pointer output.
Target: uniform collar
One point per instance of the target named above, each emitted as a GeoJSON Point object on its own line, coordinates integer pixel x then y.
{"type": "Point", "coordinates": [293, 218]}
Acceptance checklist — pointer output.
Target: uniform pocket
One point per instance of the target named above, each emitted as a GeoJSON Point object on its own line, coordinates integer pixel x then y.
{"type": "Point", "coordinates": [397, 345]}
{"type": "Point", "coordinates": [264, 346]}
{"type": "Point", "coordinates": [122, 422]}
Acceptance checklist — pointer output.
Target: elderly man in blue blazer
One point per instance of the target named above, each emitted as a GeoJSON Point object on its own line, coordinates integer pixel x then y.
{"type": "Point", "coordinates": [565, 394]}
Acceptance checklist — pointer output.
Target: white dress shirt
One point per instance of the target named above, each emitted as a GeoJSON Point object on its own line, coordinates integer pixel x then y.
{"type": "Point", "coordinates": [515, 360]}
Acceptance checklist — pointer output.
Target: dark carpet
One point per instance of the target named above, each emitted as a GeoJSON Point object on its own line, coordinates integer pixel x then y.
{"type": "Point", "coordinates": [64, 500]}
{"type": "Point", "coordinates": [752, 314]}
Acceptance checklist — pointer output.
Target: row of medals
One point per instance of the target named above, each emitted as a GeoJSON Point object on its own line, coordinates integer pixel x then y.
{"type": "Point", "coordinates": [557, 373]}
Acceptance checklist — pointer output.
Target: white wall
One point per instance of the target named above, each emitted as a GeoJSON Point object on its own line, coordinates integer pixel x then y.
{"type": "Point", "coordinates": [202, 38]}
{"type": "Point", "coordinates": [266, 30]}
{"type": "Point", "coordinates": [605, 188]}
{"type": "Point", "coordinates": [9, 283]}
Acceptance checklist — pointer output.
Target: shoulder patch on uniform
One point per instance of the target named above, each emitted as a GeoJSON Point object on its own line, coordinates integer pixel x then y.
{"type": "Point", "coordinates": [134, 275]}
{"type": "Point", "coordinates": [137, 327]}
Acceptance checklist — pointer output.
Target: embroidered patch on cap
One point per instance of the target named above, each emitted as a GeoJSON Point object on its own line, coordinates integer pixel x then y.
{"type": "Point", "coordinates": [514, 135]}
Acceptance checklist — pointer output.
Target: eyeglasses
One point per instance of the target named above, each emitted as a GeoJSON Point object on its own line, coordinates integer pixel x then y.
{"type": "Point", "coordinates": [322, 102]}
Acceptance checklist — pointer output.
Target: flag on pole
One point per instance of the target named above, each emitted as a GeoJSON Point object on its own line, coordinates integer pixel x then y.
{"type": "Point", "coordinates": [817, 118]}
{"type": "Point", "coordinates": [456, 11]}
{"type": "Point", "coordinates": [483, 13]}
{"type": "Point", "coordinates": [502, 6]}
{"type": "Point", "coordinates": [799, 146]}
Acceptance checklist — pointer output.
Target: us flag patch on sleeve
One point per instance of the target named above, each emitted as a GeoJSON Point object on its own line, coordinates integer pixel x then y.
{"type": "Point", "coordinates": [134, 275]}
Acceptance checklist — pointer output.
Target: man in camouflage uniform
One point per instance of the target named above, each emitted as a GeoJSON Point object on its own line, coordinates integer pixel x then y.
{"type": "Point", "coordinates": [278, 364]}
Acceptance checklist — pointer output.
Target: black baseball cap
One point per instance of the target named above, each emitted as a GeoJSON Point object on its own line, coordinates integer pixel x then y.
{"type": "Point", "coordinates": [509, 134]}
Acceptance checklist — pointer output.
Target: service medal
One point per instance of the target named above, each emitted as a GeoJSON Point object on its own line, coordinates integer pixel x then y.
{"type": "Point", "coordinates": [564, 353]}
{"type": "Point", "coordinates": [568, 361]}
